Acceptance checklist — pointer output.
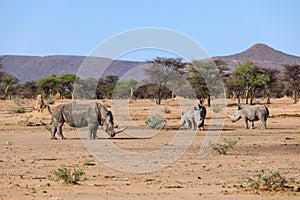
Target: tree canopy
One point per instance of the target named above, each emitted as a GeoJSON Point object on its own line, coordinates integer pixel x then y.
{"type": "Point", "coordinates": [248, 77]}
{"type": "Point", "coordinates": [162, 73]}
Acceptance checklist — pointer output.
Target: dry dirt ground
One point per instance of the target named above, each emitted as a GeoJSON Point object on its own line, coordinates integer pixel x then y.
{"type": "Point", "coordinates": [28, 156]}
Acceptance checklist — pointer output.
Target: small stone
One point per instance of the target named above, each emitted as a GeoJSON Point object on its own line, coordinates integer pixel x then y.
{"type": "Point", "coordinates": [8, 143]}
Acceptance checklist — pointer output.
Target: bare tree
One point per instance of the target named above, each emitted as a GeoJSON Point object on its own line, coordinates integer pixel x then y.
{"type": "Point", "coordinates": [163, 71]}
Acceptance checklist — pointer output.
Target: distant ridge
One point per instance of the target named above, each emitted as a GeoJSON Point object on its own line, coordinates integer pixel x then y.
{"type": "Point", "coordinates": [28, 68]}
{"type": "Point", "coordinates": [262, 55]}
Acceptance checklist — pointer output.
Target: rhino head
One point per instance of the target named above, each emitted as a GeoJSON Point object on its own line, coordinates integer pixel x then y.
{"type": "Point", "coordinates": [237, 115]}
{"type": "Point", "coordinates": [108, 125]}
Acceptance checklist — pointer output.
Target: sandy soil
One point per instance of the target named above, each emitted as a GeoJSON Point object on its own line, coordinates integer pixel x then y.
{"type": "Point", "coordinates": [28, 156]}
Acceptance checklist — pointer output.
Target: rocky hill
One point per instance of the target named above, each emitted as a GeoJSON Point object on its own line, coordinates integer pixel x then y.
{"type": "Point", "coordinates": [34, 67]}
{"type": "Point", "coordinates": [27, 68]}
{"type": "Point", "coordinates": [262, 56]}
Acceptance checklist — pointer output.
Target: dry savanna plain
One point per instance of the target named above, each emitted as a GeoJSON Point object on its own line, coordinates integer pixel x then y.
{"type": "Point", "coordinates": [29, 158]}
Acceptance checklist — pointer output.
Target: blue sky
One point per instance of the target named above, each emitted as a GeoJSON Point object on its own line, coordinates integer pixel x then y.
{"type": "Point", "coordinates": [61, 27]}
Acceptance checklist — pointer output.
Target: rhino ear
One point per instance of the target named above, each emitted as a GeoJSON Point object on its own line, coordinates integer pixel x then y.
{"type": "Point", "coordinates": [109, 114]}
{"type": "Point", "coordinates": [197, 107]}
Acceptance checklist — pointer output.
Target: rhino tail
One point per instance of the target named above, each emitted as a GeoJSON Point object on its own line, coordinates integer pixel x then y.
{"type": "Point", "coordinates": [267, 112]}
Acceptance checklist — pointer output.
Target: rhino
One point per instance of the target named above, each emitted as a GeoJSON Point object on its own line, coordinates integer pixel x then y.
{"type": "Point", "coordinates": [251, 113]}
{"type": "Point", "coordinates": [81, 115]}
{"type": "Point", "coordinates": [194, 117]}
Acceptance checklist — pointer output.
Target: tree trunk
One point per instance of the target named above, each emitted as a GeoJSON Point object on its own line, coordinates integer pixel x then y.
{"type": "Point", "coordinates": [268, 96]}
{"type": "Point", "coordinates": [158, 101]}
{"type": "Point", "coordinates": [268, 100]}
{"type": "Point", "coordinates": [295, 95]}
{"type": "Point", "coordinates": [208, 100]}
{"type": "Point", "coordinates": [173, 95]}
{"type": "Point", "coordinates": [5, 92]}
{"type": "Point", "coordinates": [247, 96]}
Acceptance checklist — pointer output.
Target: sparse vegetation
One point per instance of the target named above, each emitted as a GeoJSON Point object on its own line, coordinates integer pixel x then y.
{"type": "Point", "coordinates": [18, 110]}
{"type": "Point", "coordinates": [50, 101]}
{"type": "Point", "coordinates": [271, 181]}
{"type": "Point", "coordinates": [225, 145]}
{"type": "Point", "coordinates": [17, 100]}
{"type": "Point", "coordinates": [156, 122]}
{"type": "Point", "coordinates": [167, 110]}
{"type": "Point", "coordinates": [67, 175]}
{"type": "Point", "coordinates": [88, 163]}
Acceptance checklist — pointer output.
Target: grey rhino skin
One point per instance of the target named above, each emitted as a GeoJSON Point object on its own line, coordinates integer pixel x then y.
{"type": "Point", "coordinates": [251, 113]}
{"type": "Point", "coordinates": [81, 115]}
{"type": "Point", "coordinates": [194, 117]}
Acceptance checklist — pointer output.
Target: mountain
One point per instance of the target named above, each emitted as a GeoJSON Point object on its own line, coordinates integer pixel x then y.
{"type": "Point", "coordinates": [35, 67]}
{"type": "Point", "coordinates": [27, 68]}
{"type": "Point", "coordinates": [261, 55]}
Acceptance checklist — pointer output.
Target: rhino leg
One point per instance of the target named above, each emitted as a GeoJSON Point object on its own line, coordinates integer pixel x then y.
{"type": "Point", "coordinates": [194, 125]}
{"type": "Point", "coordinates": [201, 125]}
{"type": "Point", "coordinates": [252, 125]}
{"type": "Point", "coordinates": [190, 124]}
{"type": "Point", "coordinates": [264, 124]}
{"type": "Point", "coordinates": [59, 131]}
{"type": "Point", "coordinates": [182, 121]}
{"type": "Point", "coordinates": [93, 126]}
{"type": "Point", "coordinates": [53, 131]}
{"type": "Point", "coordinates": [246, 123]}
{"type": "Point", "coordinates": [56, 128]}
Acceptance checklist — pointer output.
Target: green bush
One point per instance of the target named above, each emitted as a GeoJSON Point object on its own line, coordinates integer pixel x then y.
{"type": "Point", "coordinates": [269, 181]}
{"type": "Point", "coordinates": [223, 147]}
{"type": "Point", "coordinates": [18, 110]}
{"type": "Point", "coordinates": [156, 122]}
{"type": "Point", "coordinates": [67, 175]}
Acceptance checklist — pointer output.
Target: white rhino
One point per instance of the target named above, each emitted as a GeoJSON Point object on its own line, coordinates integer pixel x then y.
{"type": "Point", "coordinates": [194, 117]}
{"type": "Point", "coordinates": [81, 115]}
{"type": "Point", "coordinates": [251, 113]}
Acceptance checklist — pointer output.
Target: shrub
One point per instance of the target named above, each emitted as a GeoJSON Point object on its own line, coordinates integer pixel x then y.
{"type": "Point", "coordinates": [18, 110]}
{"type": "Point", "coordinates": [156, 122]}
{"type": "Point", "coordinates": [50, 101]}
{"type": "Point", "coordinates": [67, 175]}
{"type": "Point", "coordinates": [17, 100]}
{"type": "Point", "coordinates": [268, 181]}
{"type": "Point", "coordinates": [223, 147]}
{"type": "Point", "coordinates": [167, 111]}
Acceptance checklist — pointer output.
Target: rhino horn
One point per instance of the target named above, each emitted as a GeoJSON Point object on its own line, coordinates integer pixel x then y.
{"type": "Point", "coordinates": [123, 129]}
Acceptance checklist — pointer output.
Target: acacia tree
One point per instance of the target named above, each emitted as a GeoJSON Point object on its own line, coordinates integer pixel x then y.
{"type": "Point", "coordinates": [28, 90]}
{"type": "Point", "coordinates": [198, 84]}
{"type": "Point", "coordinates": [124, 89]}
{"type": "Point", "coordinates": [205, 78]}
{"type": "Point", "coordinates": [162, 72]}
{"type": "Point", "coordinates": [48, 85]}
{"type": "Point", "coordinates": [292, 76]}
{"type": "Point", "coordinates": [7, 84]}
{"type": "Point", "coordinates": [106, 86]}
{"type": "Point", "coordinates": [67, 82]}
{"type": "Point", "coordinates": [249, 78]}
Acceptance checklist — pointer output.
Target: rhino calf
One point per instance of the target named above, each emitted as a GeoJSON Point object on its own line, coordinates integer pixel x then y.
{"type": "Point", "coordinates": [251, 113]}
{"type": "Point", "coordinates": [194, 117]}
